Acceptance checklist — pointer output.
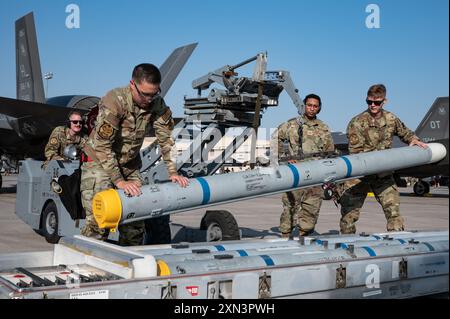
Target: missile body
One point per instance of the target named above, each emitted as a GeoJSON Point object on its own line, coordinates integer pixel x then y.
{"type": "Point", "coordinates": [310, 249]}
{"type": "Point", "coordinates": [174, 266]}
{"type": "Point", "coordinates": [112, 207]}
{"type": "Point", "coordinates": [245, 250]}
{"type": "Point", "coordinates": [246, 246]}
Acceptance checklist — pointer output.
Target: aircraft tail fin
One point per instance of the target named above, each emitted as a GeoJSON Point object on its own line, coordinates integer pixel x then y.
{"type": "Point", "coordinates": [434, 126]}
{"type": "Point", "coordinates": [29, 81]}
{"type": "Point", "coordinates": [173, 65]}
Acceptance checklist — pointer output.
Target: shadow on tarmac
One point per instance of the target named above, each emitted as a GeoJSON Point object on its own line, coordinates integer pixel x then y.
{"type": "Point", "coordinates": [425, 196]}
{"type": "Point", "coordinates": [275, 232]}
{"type": "Point", "coordinates": [8, 190]}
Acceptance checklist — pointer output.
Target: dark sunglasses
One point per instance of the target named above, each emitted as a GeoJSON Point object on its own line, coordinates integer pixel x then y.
{"type": "Point", "coordinates": [147, 96]}
{"type": "Point", "coordinates": [377, 103]}
{"type": "Point", "coordinates": [77, 122]}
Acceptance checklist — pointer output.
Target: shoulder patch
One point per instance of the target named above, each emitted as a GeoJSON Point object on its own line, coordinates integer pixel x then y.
{"type": "Point", "coordinates": [53, 141]}
{"type": "Point", "coordinates": [105, 131]}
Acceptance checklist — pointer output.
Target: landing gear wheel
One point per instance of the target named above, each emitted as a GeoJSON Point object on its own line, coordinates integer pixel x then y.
{"type": "Point", "coordinates": [220, 225]}
{"type": "Point", "coordinates": [421, 188]}
{"type": "Point", "coordinates": [49, 223]}
{"type": "Point", "coordinates": [157, 231]}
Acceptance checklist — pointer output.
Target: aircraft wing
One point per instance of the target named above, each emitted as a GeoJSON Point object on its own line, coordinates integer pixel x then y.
{"type": "Point", "coordinates": [173, 65]}
{"type": "Point", "coordinates": [19, 108]}
{"type": "Point", "coordinates": [32, 119]}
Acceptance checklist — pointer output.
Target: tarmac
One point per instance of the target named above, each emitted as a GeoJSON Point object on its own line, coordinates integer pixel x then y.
{"type": "Point", "coordinates": [256, 218]}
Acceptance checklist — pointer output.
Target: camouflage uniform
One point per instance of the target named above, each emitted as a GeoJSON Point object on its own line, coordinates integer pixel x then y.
{"type": "Point", "coordinates": [301, 207]}
{"type": "Point", "coordinates": [366, 134]}
{"type": "Point", "coordinates": [59, 139]}
{"type": "Point", "coordinates": [113, 147]}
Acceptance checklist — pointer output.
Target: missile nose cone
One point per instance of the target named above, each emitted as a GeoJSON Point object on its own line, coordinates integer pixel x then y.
{"type": "Point", "coordinates": [438, 152]}
{"type": "Point", "coordinates": [107, 209]}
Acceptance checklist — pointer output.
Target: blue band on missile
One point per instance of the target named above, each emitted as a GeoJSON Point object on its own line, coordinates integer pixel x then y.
{"type": "Point", "coordinates": [267, 260]}
{"type": "Point", "coordinates": [431, 248]}
{"type": "Point", "coordinates": [370, 251]}
{"type": "Point", "coordinates": [344, 246]}
{"type": "Point", "coordinates": [242, 253]}
{"type": "Point", "coordinates": [319, 241]}
{"type": "Point", "coordinates": [296, 175]}
{"type": "Point", "coordinates": [401, 241]}
{"type": "Point", "coordinates": [220, 248]}
{"type": "Point", "coordinates": [206, 190]}
{"type": "Point", "coordinates": [349, 166]}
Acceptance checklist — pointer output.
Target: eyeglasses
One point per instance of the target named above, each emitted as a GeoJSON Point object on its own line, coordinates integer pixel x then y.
{"type": "Point", "coordinates": [147, 96]}
{"type": "Point", "coordinates": [377, 103]}
{"type": "Point", "coordinates": [77, 122]}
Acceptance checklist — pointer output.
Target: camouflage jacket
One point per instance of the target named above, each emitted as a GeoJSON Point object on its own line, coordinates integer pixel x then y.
{"type": "Point", "coordinates": [316, 138]}
{"type": "Point", "coordinates": [366, 133]}
{"type": "Point", "coordinates": [59, 139]}
{"type": "Point", "coordinates": [119, 133]}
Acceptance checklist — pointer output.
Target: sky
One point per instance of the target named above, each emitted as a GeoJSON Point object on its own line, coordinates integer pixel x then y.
{"type": "Point", "coordinates": [326, 45]}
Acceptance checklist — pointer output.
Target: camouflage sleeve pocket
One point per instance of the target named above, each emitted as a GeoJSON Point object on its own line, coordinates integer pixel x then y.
{"type": "Point", "coordinates": [87, 184]}
{"type": "Point", "coordinates": [113, 120]}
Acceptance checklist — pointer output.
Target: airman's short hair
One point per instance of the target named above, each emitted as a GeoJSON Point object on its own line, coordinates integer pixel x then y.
{"type": "Point", "coordinates": [146, 72]}
{"type": "Point", "coordinates": [74, 112]}
{"type": "Point", "coordinates": [377, 91]}
{"type": "Point", "coordinates": [313, 96]}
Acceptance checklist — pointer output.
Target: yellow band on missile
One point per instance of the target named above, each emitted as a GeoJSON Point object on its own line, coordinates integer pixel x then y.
{"type": "Point", "coordinates": [107, 209]}
{"type": "Point", "coordinates": [163, 268]}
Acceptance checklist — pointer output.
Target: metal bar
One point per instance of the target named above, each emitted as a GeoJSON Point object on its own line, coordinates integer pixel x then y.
{"type": "Point", "coordinates": [232, 68]}
{"type": "Point", "coordinates": [37, 281]}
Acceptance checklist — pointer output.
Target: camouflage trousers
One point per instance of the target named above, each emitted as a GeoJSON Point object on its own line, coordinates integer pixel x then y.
{"type": "Point", "coordinates": [301, 208]}
{"type": "Point", "coordinates": [386, 194]}
{"type": "Point", "coordinates": [93, 180]}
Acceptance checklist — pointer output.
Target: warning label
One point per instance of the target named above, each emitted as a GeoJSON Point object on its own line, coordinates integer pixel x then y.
{"type": "Point", "coordinates": [94, 294]}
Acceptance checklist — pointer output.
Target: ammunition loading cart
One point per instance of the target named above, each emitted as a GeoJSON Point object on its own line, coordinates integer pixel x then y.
{"type": "Point", "coordinates": [381, 265]}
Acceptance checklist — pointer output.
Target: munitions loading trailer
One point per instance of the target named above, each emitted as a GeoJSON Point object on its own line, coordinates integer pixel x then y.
{"type": "Point", "coordinates": [383, 265]}
{"type": "Point", "coordinates": [239, 105]}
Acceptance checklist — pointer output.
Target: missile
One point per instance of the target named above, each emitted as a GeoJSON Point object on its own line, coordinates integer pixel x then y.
{"type": "Point", "coordinates": [171, 267]}
{"type": "Point", "coordinates": [262, 246]}
{"type": "Point", "coordinates": [245, 249]}
{"type": "Point", "coordinates": [113, 207]}
{"type": "Point", "coordinates": [310, 249]}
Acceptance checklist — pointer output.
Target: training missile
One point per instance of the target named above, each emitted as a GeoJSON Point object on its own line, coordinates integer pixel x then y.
{"type": "Point", "coordinates": [263, 246]}
{"type": "Point", "coordinates": [309, 249]}
{"type": "Point", "coordinates": [113, 207]}
{"type": "Point", "coordinates": [170, 267]}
